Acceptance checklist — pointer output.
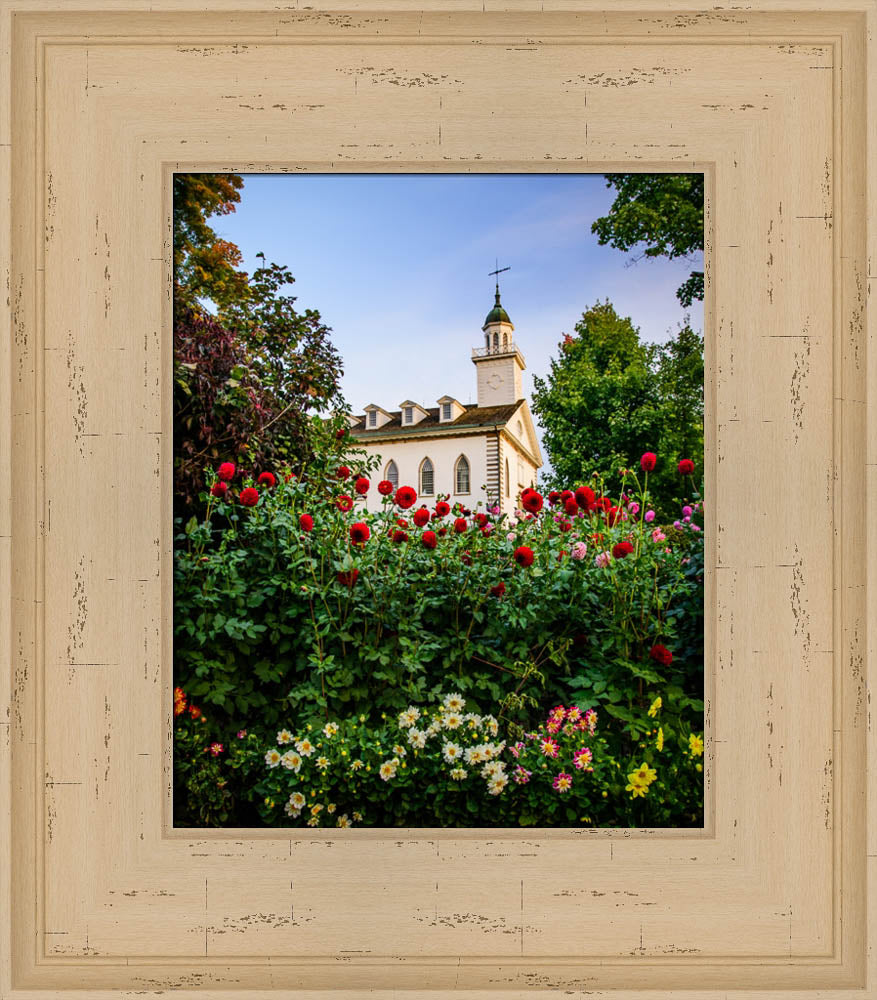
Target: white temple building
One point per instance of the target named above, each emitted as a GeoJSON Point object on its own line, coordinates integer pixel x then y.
{"type": "Point", "coordinates": [473, 452]}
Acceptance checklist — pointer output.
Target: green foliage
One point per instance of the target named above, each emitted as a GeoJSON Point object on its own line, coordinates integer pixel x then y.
{"type": "Point", "coordinates": [608, 398]}
{"type": "Point", "coordinates": [271, 626]}
{"type": "Point", "coordinates": [664, 211]}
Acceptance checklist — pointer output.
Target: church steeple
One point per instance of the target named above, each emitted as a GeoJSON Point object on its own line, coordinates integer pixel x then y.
{"type": "Point", "coordinates": [499, 362]}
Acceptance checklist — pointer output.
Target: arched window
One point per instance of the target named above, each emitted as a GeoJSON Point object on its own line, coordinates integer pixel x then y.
{"type": "Point", "coordinates": [505, 340]}
{"type": "Point", "coordinates": [427, 478]}
{"type": "Point", "coordinates": [461, 475]}
{"type": "Point", "coordinates": [508, 480]}
{"type": "Point", "coordinates": [391, 473]}
{"type": "Point", "coordinates": [496, 341]}
{"type": "Point", "coordinates": [487, 341]}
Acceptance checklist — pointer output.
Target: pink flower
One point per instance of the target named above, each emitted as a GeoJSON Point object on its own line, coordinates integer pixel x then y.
{"type": "Point", "coordinates": [562, 783]}
{"type": "Point", "coordinates": [549, 747]}
{"type": "Point", "coordinates": [241, 733]}
{"type": "Point", "coordinates": [686, 511]}
{"type": "Point", "coordinates": [579, 550]}
{"type": "Point", "coordinates": [695, 527]}
{"type": "Point", "coordinates": [649, 516]}
{"type": "Point", "coordinates": [582, 759]}
{"type": "Point", "coordinates": [634, 508]}
{"type": "Point", "coordinates": [521, 775]}
{"type": "Point", "coordinates": [216, 749]}
{"type": "Point", "coordinates": [603, 559]}
{"type": "Point", "coordinates": [658, 536]}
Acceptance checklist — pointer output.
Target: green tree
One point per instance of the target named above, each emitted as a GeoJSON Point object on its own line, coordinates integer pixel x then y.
{"type": "Point", "coordinates": [609, 397]}
{"type": "Point", "coordinates": [664, 211]}
{"type": "Point", "coordinates": [249, 368]}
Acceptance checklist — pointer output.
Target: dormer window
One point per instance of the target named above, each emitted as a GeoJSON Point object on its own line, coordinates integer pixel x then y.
{"type": "Point", "coordinates": [446, 411]}
{"type": "Point", "coordinates": [372, 418]}
{"type": "Point", "coordinates": [409, 414]}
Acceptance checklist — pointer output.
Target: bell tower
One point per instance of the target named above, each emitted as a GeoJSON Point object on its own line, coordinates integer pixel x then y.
{"type": "Point", "coordinates": [498, 362]}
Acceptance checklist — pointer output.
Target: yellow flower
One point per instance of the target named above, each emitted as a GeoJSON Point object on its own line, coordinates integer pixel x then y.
{"type": "Point", "coordinates": [660, 743]}
{"type": "Point", "coordinates": [695, 745]}
{"type": "Point", "coordinates": [636, 789]}
{"type": "Point", "coordinates": [655, 707]}
{"type": "Point", "coordinates": [698, 767]}
{"type": "Point", "coordinates": [643, 775]}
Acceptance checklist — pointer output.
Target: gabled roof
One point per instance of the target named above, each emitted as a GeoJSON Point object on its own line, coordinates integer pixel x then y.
{"type": "Point", "coordinates": [472, 416]}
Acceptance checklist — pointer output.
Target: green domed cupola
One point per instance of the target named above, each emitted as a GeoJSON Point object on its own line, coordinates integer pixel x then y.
{"type": "Point", "coordinates": [497, 314]}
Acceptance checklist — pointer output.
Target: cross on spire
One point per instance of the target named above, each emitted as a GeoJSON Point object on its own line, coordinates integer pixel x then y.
{"type": "Point", "coordinates": [497, 273]}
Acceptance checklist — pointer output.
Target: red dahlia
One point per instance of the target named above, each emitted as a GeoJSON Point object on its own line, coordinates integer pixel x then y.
{"type": "Point", "coordinates": [660, 654]}
{"type": "Point", "coordinates": [648, 461]}
{"type": "Point", "coordinates": [361, 486]}
{"type": "Point", "coordinates": [685, 467]}
{"type": "Point", "coordinates": [359, 533]}
{"type": "Point", "coordinates": [553, 497]}
{"type": "Point", "coordinates": [429, 540]}
{"type": "Point", "coordinates": [249, 496]}
{"type": "Point", "coordinates": [585, 496]}
{"type": "Point", "coordinates": [621, 549]}
{"type": "Point", "coordinates": [344, 503]}
{"type": "Point", "coordinates": [306, 522]}
{"type": "Point", "coordinates": [532, 502]}
{"type": "Point", "coordinates": [480, 519]}
{"type": "Point", "coordinates": [405, 497]}
{"type": "Point", "coordinates": [524, 556]}
{"type": "Point", "coordinates": [226, 471]}
{"type": "Point", "coordinates": [385, 487]}
{"type": "Point", "coordinates": [342, 472]}
{"type": "Point", "coordinates": [571, 507]}
{"type": "Point", "coordinates": [195, 712]}
{"type": "Point", "coordinates": [219, 490]}
{"type": "Point", "coordinates": [401, 522]}
{"type": "Point", "coordinates": [267, 479]}
{"type": "Point", "coordinates": [442, 509]}
{"type": "Point", "coordinates": [565, 526]}
{"type": "Point", "coordinates": [466, 558]}
{"type": "Point", "coordinates": [400, 536]}
{"type": "Point", "coordinates": [498, 590]}
{"type": "Point", "coordinates": [460, 525]}
{"type": "Point", "coordinates": [421, 517]}
{"type": "Point", "coordinates": [340, 434]}
{"type": "Point", "coordinates": [348, 578]}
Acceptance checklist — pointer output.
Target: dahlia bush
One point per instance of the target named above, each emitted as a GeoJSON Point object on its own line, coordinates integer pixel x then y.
{"type": "Point", "coordinates": [296, 607]}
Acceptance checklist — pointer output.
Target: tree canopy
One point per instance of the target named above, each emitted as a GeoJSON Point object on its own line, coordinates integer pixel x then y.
{"type": "Point", "coordinates": [609, 398]}
{"type": "Point", "coordinates": [664, 211]}
{"type": "Point", "coordinates": [249, 368]}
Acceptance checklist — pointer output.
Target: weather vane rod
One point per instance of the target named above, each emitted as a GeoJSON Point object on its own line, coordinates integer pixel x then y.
{"type": "Point", "coordinates": [498, 272]}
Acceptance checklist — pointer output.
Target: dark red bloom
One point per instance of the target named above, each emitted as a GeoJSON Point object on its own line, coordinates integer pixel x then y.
{"type": "Point", "coordinates": [195, 712]}
{"type": "Point", "coordinates": [524, 556]}
{"type": "Point", "coordinates": [429, 540]}
{"type": "Point", "coordinates": [612, 515]}
{"type": "Point", "coordinates": [219, 489]}
{"type": "Point", "coordinates": [565, 526]}
{"type": "Point", "coordinates": [660, 654]}
{"type": "Point", "coordinates": [216, 749]}
{"type": "Point", "coordinates": [406, 497]}
{"type": "Point", "coordinates": [648, 461]}
{"type": "Point", "coordinates": [306, 522]}
{"type": "Point", "coordinates": [421, 517]}
{"type": "Point", "coordinates": [289, 477]}
{"type": "Point", "coordinates": [686, 467]}
{"type": "Point", "coordinates": [359, 533]}
{"type": "Point", "coordinates": [400, 536]}
{"type": "Point", "coordinates": [460, 525]}
{"type": "Point", "coordinates": [226, 471]}
{"type": "Point", "coordinates": [466, 558]}
{"type": "Point", "coordinates": [553, 497]}
{"type": "Point", "coordinates": [344, 503]}
{"type": "Point", "coordinates": [342, 472]}
{"type": "Point", "coordinates": [571, 507]}
{"type": "Point", "coordinates": [443, 531]}
{"type": "Point", "coordinates": [267, 479]}
{"type": "Point", "coordinates": [249, 496]}
{"type": "Point", "coordinates": [532, 502]}
{"type": "Point", "coordinates": [442, 509]}
{"type": "Point", "coordinates": [585, 496]}
{"type": "Point", "coordinates": [340, 434]}
{"type": "Point", "coordinates": [566, 494]}
{"type": "Point", "coordinates": [480, 519]}
{"type": "Point", "coordinates": [385, 487]}
{"type": "Point", "coordinates": [498, 590]}
{"type": "Point", "coordinates": [621, 549]}
{"type": "Point", "coordinates": [361, 486]}
{"type": "Point", "coordinates": [348, 578]}
{"type": "Point", "coordinates": [401, 522]}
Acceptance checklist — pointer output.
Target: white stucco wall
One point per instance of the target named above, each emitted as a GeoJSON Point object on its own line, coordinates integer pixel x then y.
{"type": "Point", "coordinates": [443, 452]}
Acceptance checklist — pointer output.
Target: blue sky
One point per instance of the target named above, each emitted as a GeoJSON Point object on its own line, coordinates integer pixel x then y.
{"type": "Point", "coordinates": [397, 265]}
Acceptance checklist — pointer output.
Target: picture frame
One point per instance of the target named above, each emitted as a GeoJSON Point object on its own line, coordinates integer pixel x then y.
{"type": "Point", "coordinates": [102, 105]}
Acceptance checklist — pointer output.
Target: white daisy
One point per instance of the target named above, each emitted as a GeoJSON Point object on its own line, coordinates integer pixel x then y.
{"type": "Point", "coordinates": [272, 758]}
{"type": "Point", "coordinates": [474, 755]}
{"type": "Point", "coordinates": [356, 765]}
{"type": "Point", "coordinates": [297, 801]}
{"type": "Point", "coordinates": [458, 773]}
{"type": "Point", "coordinates": [284, 736]}
{"type": "Point", "coordinates": [453, 720]}
{"type": "Point", "coordinates": [493, 769]}
{"type": "Point", "coordinates": [343, 822]}
{"type": "Point", "coordinates": [304, 747]}
{"type": "Point", "coordinates": [314, 821]}
{"type": "Point", "coordinates": [417, 738]}
{"type": "Point", "coordinates": [330, 729]}
{"type": "Point", "coordinates": [331, 807]}
{"type": "Point", "coordinates": [451, 751]}
{"type": "Point", "coordinates": [291, 761]}
{"type": "Point", "coordinates": [497, 784]}
{"type": "Point", "coordinates": [388, 769]}
{"type": "Point", "coordinates": [454, 702]}
{"type": "Point", "coordinates": [322, 763]}
{"type": "Point", "coordinates": [290, 810]}
{"type": "Point", "coordinates": [357, 816]}
{"type": "Point", "coordinates": [408, 717]}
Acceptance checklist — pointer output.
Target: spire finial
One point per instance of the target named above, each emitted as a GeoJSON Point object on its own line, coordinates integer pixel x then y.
{"type": "Point", "coordinates": [498, 272]}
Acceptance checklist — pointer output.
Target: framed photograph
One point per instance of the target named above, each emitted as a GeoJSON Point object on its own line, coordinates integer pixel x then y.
{"type": "Point", "coordinates": [187, 439]}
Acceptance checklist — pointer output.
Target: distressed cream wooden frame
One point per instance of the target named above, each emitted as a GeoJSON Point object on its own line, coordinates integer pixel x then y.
{"type": "Point", "coordinates": [100, 105]}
